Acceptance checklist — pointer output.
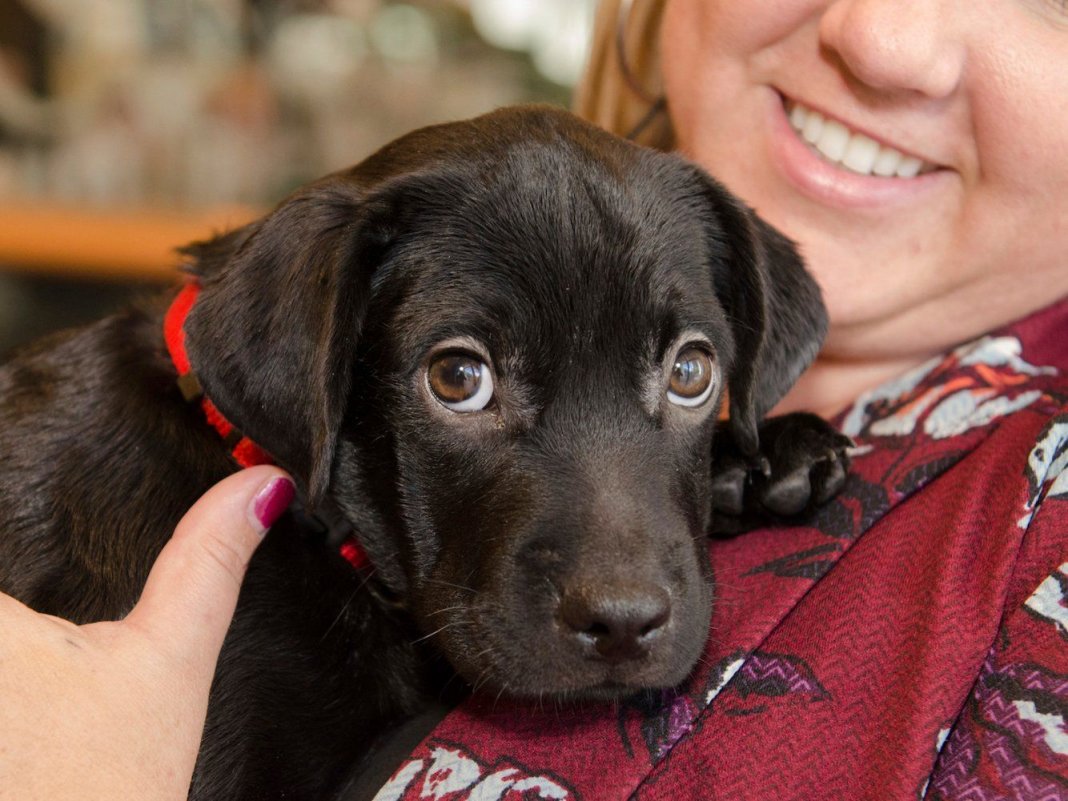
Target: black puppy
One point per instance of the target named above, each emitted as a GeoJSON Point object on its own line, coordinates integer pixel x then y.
{"type": "Point", "coordinates": [497, 349]}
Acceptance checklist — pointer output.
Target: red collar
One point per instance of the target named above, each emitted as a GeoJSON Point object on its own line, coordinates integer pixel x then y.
{"type": "Point", "coordinates": [244, 451]}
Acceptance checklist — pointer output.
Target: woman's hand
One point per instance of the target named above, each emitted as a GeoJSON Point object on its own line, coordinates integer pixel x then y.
{"type": "Point", "coordinates": [116, 710]}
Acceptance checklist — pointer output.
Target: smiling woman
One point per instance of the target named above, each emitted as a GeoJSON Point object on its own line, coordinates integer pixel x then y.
{"type": "Point", "coordinates": [952, 103]}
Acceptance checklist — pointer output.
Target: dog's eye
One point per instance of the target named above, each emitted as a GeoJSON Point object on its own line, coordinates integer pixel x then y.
{"type": "Point", "coordinates": [691, 377]}
{"type": "Point", "coordinates": [460, 382]}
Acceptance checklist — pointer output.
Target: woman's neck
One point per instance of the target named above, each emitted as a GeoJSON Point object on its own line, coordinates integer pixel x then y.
{"type": "Point", "coordinates": [830, 386]}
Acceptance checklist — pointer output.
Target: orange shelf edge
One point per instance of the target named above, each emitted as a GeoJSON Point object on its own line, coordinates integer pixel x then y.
{"type": "Point", "coordinates": [117, 244]}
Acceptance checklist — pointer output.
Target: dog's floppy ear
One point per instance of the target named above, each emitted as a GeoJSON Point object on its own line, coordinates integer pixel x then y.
{"type": "Point", "coordinates": [774, 308]}
{"type": "Point", "coordinates": [273, 332]}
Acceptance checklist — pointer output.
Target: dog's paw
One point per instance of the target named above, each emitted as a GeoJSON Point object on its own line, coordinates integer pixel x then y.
{"type": "Point", "coordinates": [802, 464]}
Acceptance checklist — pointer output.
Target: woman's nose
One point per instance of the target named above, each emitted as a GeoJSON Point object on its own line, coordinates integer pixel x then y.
{"type": "Point", "coordinates": [914, 47]}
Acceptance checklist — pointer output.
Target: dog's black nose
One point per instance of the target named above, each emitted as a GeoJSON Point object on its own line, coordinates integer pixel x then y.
{"type": "Point", "coordinates": [619, 621]}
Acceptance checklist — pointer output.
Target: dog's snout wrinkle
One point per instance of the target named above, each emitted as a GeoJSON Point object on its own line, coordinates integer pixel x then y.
{"type": "Point", "coordinates": [616, 622]}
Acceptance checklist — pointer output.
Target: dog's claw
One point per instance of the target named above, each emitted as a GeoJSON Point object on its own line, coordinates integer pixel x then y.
{"type": "Point", "coordinates": [762, 467]}
{"type": "Point", "coordinates": [830, 474]}
{"type": "Point", "coordinates": [802, 464]}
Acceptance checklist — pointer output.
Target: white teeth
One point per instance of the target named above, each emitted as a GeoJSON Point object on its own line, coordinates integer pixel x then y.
{"type": "Point", "coordinates": [834, 140]}
{"type": "Point", "coordinates": [886, 162]}
{"type": "Point", "coordinates": [854, 151]}
{"type": "Point", "coordinates": [861, 154]}
{"type": "Point", "coordinates": [909, 167]}
{"type": "Point", "coordinates": [813, 129]}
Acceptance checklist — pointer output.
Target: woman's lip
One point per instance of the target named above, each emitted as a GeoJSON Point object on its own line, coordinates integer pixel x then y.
{"type": "Point", "coordinates": [830, 184]}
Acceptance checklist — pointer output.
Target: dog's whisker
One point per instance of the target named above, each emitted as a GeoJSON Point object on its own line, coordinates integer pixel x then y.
{"type": "Point", "coordinates": [425, 637]}
{"type": "Point", "coordinates": [482, 680]}
{"type": "Point", "coordinates": [504, 686]}
{"type": "Point", "coordinates": [482, 653]}
{"type": "Point", "coordinates": [553, 590]}
{"type": "Point", "coordinates": [737, 588]}
{"type": "Point", "coordinates": [703, 660]}
{"type": "Point", "coordinates": [448, 683]}
{"type": "Point", "coordinates": [341, 612]}
{"type": "Point", "coordinates": [730, 604]}
{"type": "Point", "coordinates": [444, 583]}
{"type": "Point", "coordinates": [478, 658]}
{"type": "Point", "coordinates": [446, 609]}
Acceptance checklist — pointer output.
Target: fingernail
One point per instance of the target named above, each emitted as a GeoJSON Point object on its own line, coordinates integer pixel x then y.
{"type": "Point", "coordinates": [272, 500]}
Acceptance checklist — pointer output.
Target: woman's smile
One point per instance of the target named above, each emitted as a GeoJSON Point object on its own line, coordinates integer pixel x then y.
{"type": "Point", "coordinates": [857, 152]}
{"type": "Point", "coordinates": [833, 163]}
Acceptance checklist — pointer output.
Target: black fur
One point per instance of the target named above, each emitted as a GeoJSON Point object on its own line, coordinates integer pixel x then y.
{"type": "Point", "coordinates": [579, 263]}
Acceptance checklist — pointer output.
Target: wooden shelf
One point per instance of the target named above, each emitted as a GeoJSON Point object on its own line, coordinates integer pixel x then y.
{"type": "Point", "coordinates": [114, 244]}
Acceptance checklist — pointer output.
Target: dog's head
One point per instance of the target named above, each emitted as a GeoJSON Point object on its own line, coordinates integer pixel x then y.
{"type": "Point", "coordinates": [500, 347]}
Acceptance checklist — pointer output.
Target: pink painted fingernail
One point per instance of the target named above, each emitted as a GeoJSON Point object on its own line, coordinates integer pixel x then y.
{"type": "Point", "coordinates": [272, 500]}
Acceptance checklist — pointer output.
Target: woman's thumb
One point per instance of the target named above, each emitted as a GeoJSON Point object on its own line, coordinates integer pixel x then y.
{"type": "Point", "coordinates": [191, 592]}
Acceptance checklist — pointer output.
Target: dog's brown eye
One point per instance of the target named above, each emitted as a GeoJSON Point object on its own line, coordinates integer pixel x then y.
{"type": "Point", "coordinates": [691, 377]}
{"type": "Point", "coordinates": [461, 382]}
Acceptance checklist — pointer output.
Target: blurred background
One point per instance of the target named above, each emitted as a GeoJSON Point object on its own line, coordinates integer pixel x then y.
{"type": "Point", "coordinates": [130, 127]}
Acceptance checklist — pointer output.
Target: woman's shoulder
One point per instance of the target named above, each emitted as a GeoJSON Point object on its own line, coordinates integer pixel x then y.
{"type": "Point", "coordinates": [991, 415]}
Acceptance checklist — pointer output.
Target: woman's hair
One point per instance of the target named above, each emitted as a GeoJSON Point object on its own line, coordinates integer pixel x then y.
{"type": "Point", "coordinates": [620, 89]}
